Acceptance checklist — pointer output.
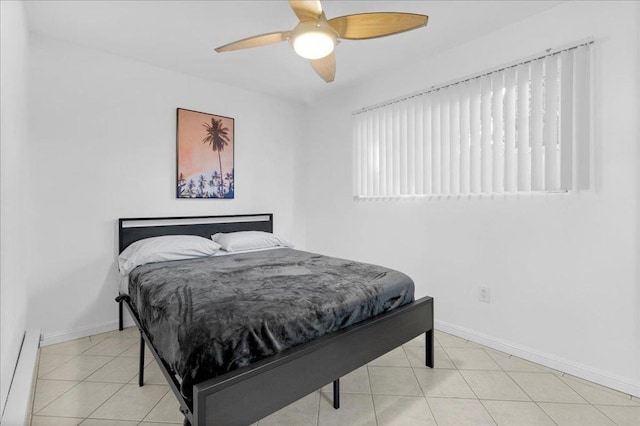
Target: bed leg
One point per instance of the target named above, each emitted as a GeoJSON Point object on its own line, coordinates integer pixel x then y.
{"type": "Point", "coordinates": [120, 299]}
{"type": "Point", "coordinates": [336, 394]}
{"type": "Point", "coordinates": [120, 327]}
{"type": "Point", "coordinates": [141, 370]}
{"type": "Point", "coordinates": [429, 358]}
{"type": "Point", "coordinates": [186, 421]}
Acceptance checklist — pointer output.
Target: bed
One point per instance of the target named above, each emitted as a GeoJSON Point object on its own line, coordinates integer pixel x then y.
{"type": "Point", "coordinates": [248, 389]}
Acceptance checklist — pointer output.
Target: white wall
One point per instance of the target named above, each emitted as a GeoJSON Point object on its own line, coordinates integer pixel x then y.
{"type": "Point", "coordinates": [14, 44]}
{"type": "Point", "coordinates": [103, 146]}
{"type": "Point", "coordinates": [561, 268]}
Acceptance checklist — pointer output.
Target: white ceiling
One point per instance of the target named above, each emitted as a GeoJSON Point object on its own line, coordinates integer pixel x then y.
{"type": "Point", "coordinates": [181, 35]}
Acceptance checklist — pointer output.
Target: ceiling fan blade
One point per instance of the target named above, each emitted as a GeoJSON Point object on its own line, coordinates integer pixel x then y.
{"type": "Point", "coordinates": [325, 67]}
{"type": "Point", "coordinates": [306, 10]}
{"type": "Point", "coordinates": [255, 41]}
{"type": "Point", "coordinates": [371, 25]}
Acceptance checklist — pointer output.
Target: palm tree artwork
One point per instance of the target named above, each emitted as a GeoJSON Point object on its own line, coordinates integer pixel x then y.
{"type": "Point", "coordinates": [218, 138]}
{"type": "Point", "coordinates": [229, 177]}
{"type": "Point", "coordinates": [202, 182]}
{"type": "Point", "coordinates": [213, 182]}
{"type": "Point", "coordinates": [182, 182]}
{"type": "Point", "coordinates": [191, 188]}
{"type": "Point", "coordinates": [205, 145]}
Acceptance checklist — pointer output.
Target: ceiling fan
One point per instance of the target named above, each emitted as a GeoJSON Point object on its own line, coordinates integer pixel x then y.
{"type": "Point", "coordinates": [315, 37]}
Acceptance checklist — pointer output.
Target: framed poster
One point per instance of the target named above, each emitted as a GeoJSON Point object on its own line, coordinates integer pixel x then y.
{"type": "Point", "coordinates": [205, 155]}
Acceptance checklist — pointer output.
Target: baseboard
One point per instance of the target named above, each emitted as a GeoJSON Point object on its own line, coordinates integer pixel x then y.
{"type": "Point", "coordinates": [63, 336]}
{"type": "Point", "coordinates": [566, 366]}
{"type": "Point", "coordinates": [18, 407]}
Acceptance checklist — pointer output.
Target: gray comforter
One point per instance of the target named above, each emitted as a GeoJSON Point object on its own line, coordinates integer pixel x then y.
{"type": "Point", "coordinates": [211, 315]}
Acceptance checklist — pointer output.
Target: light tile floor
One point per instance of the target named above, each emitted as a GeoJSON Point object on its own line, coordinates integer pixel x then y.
{"type": "Point", "coordinates": [93, 382]}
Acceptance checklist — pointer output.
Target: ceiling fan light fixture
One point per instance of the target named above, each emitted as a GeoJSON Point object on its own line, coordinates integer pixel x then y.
{"type": "Point", "coordinates": [313, 44]}
{"type": "Point", "coordinates": [313, 39]}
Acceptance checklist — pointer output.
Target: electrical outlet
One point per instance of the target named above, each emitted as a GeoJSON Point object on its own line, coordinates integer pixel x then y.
{"type": "Point", "coordinates": [484, 294]}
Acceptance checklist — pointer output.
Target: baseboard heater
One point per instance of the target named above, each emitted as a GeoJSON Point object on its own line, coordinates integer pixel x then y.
{"type": "Point", "coordinates": [18, 407]}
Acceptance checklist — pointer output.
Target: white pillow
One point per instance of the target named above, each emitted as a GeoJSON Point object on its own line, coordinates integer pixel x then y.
{"type": "Point", "coordinates": [248, 240]}
{"type": "Point", "coordinates": [165, 248]}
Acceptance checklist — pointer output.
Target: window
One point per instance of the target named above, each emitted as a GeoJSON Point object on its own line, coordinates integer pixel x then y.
{"type": "Point", "coordinates": [520, 128]}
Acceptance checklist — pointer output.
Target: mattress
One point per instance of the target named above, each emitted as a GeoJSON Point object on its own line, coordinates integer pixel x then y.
{"type": "Point", "coordinates": [212, 315]}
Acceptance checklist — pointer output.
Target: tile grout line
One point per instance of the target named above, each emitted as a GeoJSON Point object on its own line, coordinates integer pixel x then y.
{"type": "Point", "coordinates": [110, 396]}
{"type": "Point", "coordinates": [595, 386]}
{"type": "Point", "coordinates": [55, 368]}
{"type": "Point", "coordinates": [113, 394]}
{"type": "Point", "coordinates": [54, 400]}
{"type": "Point", "coordinates": [105, 401]}
{"type": "Point", "coordinates": [80, 380]}
{"type": "Point", "coordinates": [124, 420]}
{"type": "Point", "coordinates": [597, 406]}
{"type": "Point", "coordinates": [487, 410]}
{"type": "Point", "coordinates": [613, 405]}
{"type": "Point", "coordinates": [62, 343]}
{"type": "Point", "coordinates": [317, 412]}
{"type": "Point", "coordinates": [467, 382]}
{"type": "Point", "coordinates": [114, 358]}
{"type": "Point", "coordinates": [443, 368]}
{"type": "Point", "coordinates": [375, 414]}
{"type": "Point", "coordinates": [75, 356]}
{"type": "Point", "coordinates": [473, 369]}
{"type": "Point", "coordinates": [119, 353]}
{"type": "Point", "coordinates": [576, 391]}
{"type": "Point", "coordinates": [604, 414]}
{"type": "Point", "coordinates": [462, 397]}
{"type": "Point", "coordinates": [155, 405]}
{"type": "Point", "coordinates": [493, 359]}
{"type": "Point", "coordinates": [522, 389]}
{"type": "Point", "coordinates": [534, 401]}
{"type": "Point", "coordinates": [52, 370]}
{"type": "Point", "coordinates": [474, 392]}
{"type": "Point", "coordinates": [420, 386]}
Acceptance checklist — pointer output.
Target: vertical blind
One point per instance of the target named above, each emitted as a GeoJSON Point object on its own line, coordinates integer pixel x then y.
{"type": "Point", "coordinates": [517, 129]}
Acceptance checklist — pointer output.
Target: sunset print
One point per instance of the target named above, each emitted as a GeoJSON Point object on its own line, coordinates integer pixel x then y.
{"type": "Point", "coordinates": [205, 155]}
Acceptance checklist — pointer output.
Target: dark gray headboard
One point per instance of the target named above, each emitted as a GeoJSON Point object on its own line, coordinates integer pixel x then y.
{"type": "Point", "coordinates": [131, 230]}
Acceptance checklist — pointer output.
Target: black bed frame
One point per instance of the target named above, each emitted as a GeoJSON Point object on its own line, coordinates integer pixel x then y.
{"type": "Point", "coordinates": [245, 395]}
